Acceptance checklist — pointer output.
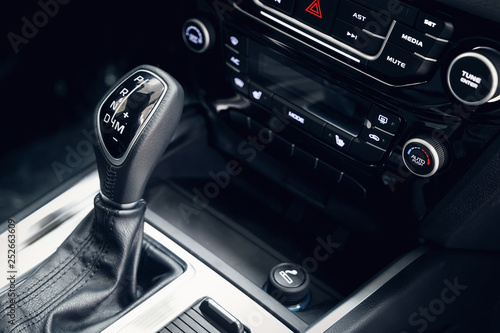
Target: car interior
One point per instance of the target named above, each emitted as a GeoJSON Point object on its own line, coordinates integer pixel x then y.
{"type": "Point", "coordinates": [250, 166]}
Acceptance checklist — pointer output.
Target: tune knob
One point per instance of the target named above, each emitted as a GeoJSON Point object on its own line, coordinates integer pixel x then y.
{"type": "Point", "coordinates": [473, 76]}
{"type": "Point", "coordinates": [424, 155]}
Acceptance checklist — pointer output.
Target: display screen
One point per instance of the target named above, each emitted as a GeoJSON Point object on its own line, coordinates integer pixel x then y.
{"type": "Point", "coordinates": [307, 90]}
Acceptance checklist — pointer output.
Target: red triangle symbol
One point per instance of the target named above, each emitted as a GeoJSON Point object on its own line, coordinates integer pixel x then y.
{"type": "Point", "coordinates": [315, 9]}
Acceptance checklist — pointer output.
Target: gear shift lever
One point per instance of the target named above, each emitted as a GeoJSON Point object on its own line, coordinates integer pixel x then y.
{"type": "Point", "coordinates": [134, 123]}
{"type": "Point", "coordinates": [92, 277]}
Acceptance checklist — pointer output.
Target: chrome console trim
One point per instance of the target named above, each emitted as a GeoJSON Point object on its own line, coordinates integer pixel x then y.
{"type": "Point", "coordinates": [58, 218]}
{"type": "Point", "coordinates": [351, 302]}
{"type": "Point", "coordinates": [197, 282]}
{"type": "Point", "coordinates": [43, 231]}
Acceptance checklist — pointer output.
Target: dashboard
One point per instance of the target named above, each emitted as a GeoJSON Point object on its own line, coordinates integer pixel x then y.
{"type": "Point", "coordinates": [385, 101]}
{"type": "Point", "coordinates": [352, 143]}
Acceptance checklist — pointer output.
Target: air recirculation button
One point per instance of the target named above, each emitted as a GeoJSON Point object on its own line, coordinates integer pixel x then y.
{"type": "Point", "coordinates": [473, 76]}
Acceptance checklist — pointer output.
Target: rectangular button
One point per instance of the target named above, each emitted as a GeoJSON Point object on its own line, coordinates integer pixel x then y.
{"type": "Point", "coordinates": [355, 37]}
{"type": "Point", "coordinates": [364, 18]}
{"type": "Point", "coordinates": [337, 138]}
{"type": "Point", "coordinates": [376, 137]}
{"type": "Point", "coordinates": [398, 65]}
{"type": "Point", "coordinates": [235, 41]}
{"type": "Point", "coordinates": [365, 152]}
{"type": "Point", "coordinates": [299, 117]}
{"type": "Point", "coordinates": [285, 6]}
{"type": "Point", "coordinates": [394, 8]}
{"type": "Point", "coordinates": [260, 95]}
{"type": "Point", "coordinates": [415, 41]}
{"type": "Point", "coordinates": [383, 119]}
{"type": "Point", "coordinates": [319, 14]}
{"type": "Point", "coordinates": [434, 26]}
{"type": "Point", "coordinates": [236, 60]}
{"type": "Point", "coordinates": [238, 81]}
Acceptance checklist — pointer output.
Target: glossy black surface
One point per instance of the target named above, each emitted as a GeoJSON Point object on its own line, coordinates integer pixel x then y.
{"type": "Point", "coordinates": [123, 114]}
{"type": "Point", "coordinates": [369, 149]}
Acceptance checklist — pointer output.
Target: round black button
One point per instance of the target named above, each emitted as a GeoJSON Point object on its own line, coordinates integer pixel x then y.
{"type": "Point", "coordinates": [289, 276]}
{"type": "Point", "coordinates": [424, 155]}
{"type": "Point", "coordinates": [198, 35]}
{"type": "Point", "coordinates": [473, 76]}
{"type": "Point", "coordinates": [289, 284]}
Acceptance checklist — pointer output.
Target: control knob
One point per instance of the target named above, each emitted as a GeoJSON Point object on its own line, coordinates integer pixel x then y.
{"type": "Point", "coordinates": [424, 155]}
{"type": "Point", "coordinates": [198, 34]}
{"type": "Point", "coordinates": [473, 76]}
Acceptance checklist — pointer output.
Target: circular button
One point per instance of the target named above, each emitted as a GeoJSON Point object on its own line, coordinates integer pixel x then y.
{"type": "Point", "coordinates": [198, 34]}
{"type": "Point", "coordinates": [473, 76]}
{"type": "Point", "coordinates": [289, 284]}
{"type": "Point", "coordinates": [424, 155]}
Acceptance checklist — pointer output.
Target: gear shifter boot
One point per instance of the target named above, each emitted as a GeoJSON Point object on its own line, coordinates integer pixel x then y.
{"type": "Point", "coordinates": [89, 280]}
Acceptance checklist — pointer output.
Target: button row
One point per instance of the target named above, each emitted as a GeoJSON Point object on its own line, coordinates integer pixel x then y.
{"type": "Point", "coordinates": [414, 45]}
{"type": "Point", "coordinates": [344, 20]}
{"type": "Point", "coordinates": [290, 154]}
{"type": "Point", "coordinates": [374, 139]}
{"type": "Point", "coordinates": [370, 145]}
{"type": "Point", "coordinates": [373, 16]}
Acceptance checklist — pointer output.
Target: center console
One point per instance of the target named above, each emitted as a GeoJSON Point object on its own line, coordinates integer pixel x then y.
{"type": "Point", "coordinates": [374, 103]}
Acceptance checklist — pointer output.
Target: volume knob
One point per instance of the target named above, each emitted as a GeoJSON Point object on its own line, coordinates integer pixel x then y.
{"type": "Point", "coordinates": [473, 77]}
{"type": "Point", "coordinates": [424, 155]}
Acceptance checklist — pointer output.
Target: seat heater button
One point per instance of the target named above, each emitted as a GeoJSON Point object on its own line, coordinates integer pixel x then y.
{"type": "Point", "coordinates": [337, 138]}
{"type": "Point", "coordinates": [260, 95]}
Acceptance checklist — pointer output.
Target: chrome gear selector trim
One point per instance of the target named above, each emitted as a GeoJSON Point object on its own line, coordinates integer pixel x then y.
{"type": "Point", "coordinates": [126, 111]}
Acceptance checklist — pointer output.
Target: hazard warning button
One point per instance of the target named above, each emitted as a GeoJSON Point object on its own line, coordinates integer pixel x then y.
{"type": "Point", "coordinates": [318, 14]}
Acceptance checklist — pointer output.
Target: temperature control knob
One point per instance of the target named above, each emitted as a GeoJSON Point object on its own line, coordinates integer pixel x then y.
{"type": "Point", "coordinates": [473, 76]}
{"type": "Point", "coordinates": [198, 34]}
{"type": "Point", "coordinates": [424, 155]}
